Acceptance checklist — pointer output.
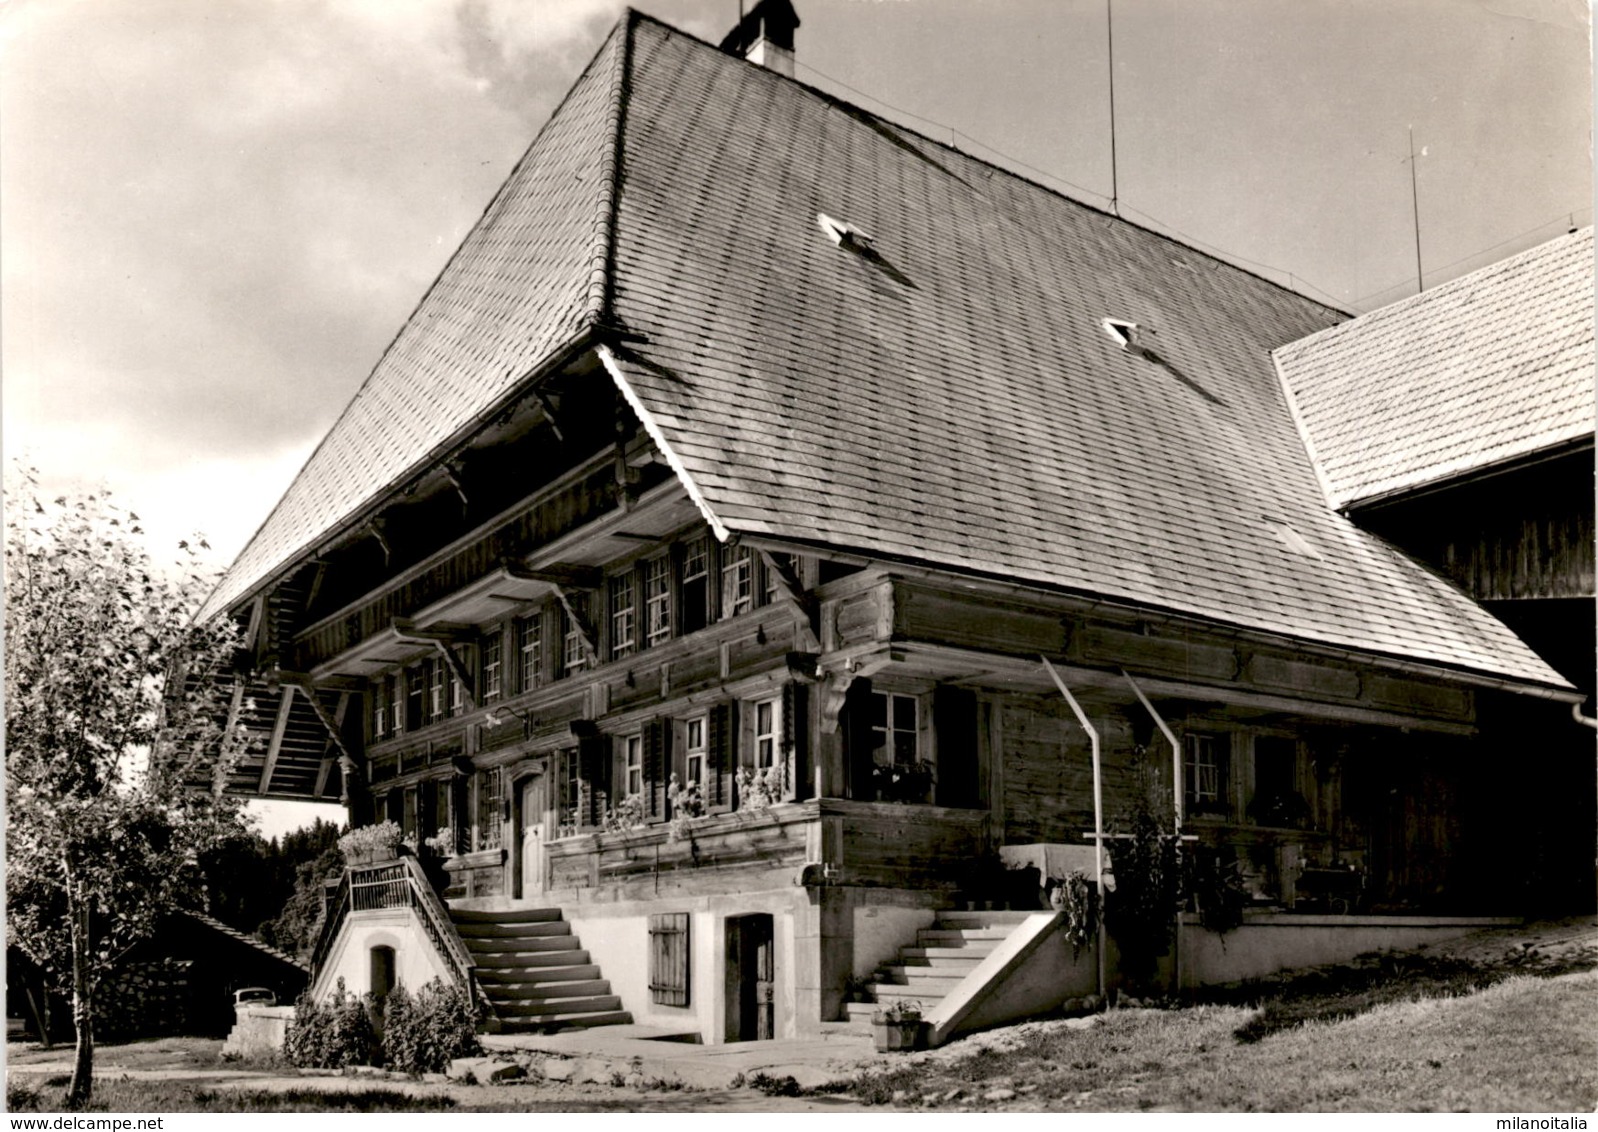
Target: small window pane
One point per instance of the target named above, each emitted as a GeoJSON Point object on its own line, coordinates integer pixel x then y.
{"type": "Point", "coordinates": [904, 713]}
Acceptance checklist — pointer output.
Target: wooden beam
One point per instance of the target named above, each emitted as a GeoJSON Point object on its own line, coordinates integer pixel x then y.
{"type": "Point", "coordinates": [257, 618]}
{"type": "Point", "coordinates": [276, 745]}
{"type": "Point", "coordinates": [585, 631]}
{"type": "Point", "coordinates": [405, 629]}
{"type": "Point", "coordinates": [316, 583]}
{"type": "Point", "coordinates": [788, 581]}
{"type": "Point", "coordinates": [572, 577]}
{"type": "Point", "coordinates": [458, 670]}
{"type": "Point", "coordinates": [326, 768]}
{"type": "Point", "coordinates": [548, 405]}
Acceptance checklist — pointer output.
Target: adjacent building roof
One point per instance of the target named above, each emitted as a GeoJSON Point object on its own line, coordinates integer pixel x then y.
{"type": "Point", "coordinates": [847, 335]}
{"type": "Point", "coordinates": [1485, 369]}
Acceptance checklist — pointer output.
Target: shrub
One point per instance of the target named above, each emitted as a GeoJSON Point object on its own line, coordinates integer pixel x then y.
{"type": "Point", "coordinates": [333, 1035]}
{"type": "Point", "coordinates": [425, 1032]}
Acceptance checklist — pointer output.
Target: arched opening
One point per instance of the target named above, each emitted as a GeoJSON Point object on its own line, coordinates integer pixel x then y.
{"type": "Point", "coordinates": [381, 974]}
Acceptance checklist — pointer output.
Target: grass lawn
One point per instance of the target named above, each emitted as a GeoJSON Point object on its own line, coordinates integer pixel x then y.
{"type": "Point", "coordinates": [1524, 1044]}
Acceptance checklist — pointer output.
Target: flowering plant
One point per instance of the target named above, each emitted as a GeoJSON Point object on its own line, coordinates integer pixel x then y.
{"type": "Point", "coordinates": [758, 789]}
{"type": "Point", "coordinates": [628, 815]}
{"type": "Point", "coordinates": [687, 803]}
{"type": "Point", "coordinates": [903, 782]}
{"type": "Point", "coordinates": [442, 843]}
{"type": "Point", "coordinates": [370, 842]}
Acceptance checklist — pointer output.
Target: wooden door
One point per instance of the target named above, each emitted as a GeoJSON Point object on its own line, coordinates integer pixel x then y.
{"type": "Point", "coordinates": [751, 979]}
{"type": "Point", "coordinates": [533, 834]}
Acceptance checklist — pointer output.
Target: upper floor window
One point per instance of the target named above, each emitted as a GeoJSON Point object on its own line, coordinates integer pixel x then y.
{"type": "Point", "coordinates": [623, 623]}
{"type": "Point", "coordinates": [436, 690]}
{"type": "Point", "coordinates": [657, 600]}
{"type": "Point", "coordinates": [768, 732]}
{"type": "Point", "coordinates": [380, 708]}
{"type": "Point", "coordinates": [573, 652]}
{"type": "Point", "coordinates": [695, 584]}
{"type": "Point", "coordinates": [635, 764]}
{"type": "Point", "coordinates": [694, 748]}
{"type": "Point", "coordinates": [530, 651]}
{"type": "Point", "coordinates": [1205, 761]}
{"type": "Point", "coordinates": [737, 581]}
{"type": "Point", "coordinates": [396, 702]}
{"type": "Point", "coordinates": [570, 793]}
{"type": "Point", "coordinates": [894, 728]}
{"type": "Point", "coordinates": [492, 675]}
{"type": "Point", "coordinates": [457, 694]}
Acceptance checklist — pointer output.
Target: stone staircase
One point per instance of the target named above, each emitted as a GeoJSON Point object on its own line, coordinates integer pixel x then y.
{"type": "Point", "coordinates": [534, 971]}
{"type": "Point", "coordinates": [940, 958]}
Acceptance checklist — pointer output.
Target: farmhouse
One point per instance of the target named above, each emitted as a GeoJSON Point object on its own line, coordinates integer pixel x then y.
{"type": "Point", "coordinates": [779, 548]}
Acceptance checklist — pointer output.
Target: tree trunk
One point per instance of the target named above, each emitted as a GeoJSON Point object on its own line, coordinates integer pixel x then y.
{"type": "Point", "coordinates": [82, 1086]}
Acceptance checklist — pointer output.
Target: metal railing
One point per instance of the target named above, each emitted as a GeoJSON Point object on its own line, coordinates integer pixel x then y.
{"type": "Point", "coordinates": [400, 883]}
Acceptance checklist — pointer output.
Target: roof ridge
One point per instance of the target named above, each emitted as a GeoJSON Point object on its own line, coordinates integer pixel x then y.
{"type": "Point", "coordinates": [602, 270]}
{"type": "Point", "coordinates": [1008, 172]}
{"type": "Point", "coordinates": [1443, 289]}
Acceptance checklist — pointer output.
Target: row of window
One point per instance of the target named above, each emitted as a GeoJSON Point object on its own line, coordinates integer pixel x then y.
{"type": "Point", "coordinates": [1208, 773]}
{"type": "Point", "coordinates": [644, 605]}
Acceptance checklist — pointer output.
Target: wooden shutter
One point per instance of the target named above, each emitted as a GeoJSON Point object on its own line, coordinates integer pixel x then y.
{"type": "Point", "coordinates": [657, 765]}
{"type": "Point", "coordinates": [796, 737]}
{"type": "Point", "coordinates": [668, 958]}
{"type": "Point", "coordinates": [722, 754]}
{"type": "Point", "coordinates": [856, 729]}
{"type": "Point", "coordinates": [593, 758]}
{"type": "Point", "coordinates": [954, 720]}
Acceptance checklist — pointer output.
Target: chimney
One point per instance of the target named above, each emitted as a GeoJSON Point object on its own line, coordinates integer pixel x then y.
{"type": "Point", "coordinates": [765, 36]}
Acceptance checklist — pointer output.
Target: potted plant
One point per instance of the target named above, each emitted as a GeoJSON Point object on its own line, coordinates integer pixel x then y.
{"type": "Point", "coordinates": [898, 1027]}
{"type": "Point", "coordinates": [370, 844]}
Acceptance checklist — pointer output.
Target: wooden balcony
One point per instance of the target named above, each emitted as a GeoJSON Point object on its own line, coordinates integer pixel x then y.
{"type": "Point", "coordinates": [830, 841]}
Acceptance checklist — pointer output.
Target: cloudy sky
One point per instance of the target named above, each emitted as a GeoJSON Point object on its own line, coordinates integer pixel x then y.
{"type": "Point", "coordinates": [216, 213]}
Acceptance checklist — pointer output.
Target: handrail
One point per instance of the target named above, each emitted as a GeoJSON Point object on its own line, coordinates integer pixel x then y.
{"type": "Point", "coordinates": [440, 928]}
{"type": "Point", "coordinates": [331, 921]}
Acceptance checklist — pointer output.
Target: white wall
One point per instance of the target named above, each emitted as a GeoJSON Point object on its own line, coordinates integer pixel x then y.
{"type": "Point", "coordinates": [415, 961]}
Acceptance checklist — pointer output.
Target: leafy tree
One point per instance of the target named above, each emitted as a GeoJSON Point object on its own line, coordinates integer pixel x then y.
{"type": "Point", "coordinates": [116, 705]}
{"type": "Point", "coordinates": [294, 928]}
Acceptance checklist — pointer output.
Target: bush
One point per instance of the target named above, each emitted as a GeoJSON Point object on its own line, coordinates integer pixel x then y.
{"type": "Point", "coordinates": [424, 1033]}
{"type": "Point", "coordinates": [331, 1036]}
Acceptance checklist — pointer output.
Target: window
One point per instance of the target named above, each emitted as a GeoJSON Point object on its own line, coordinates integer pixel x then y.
{"type": "Point", "coordinates": [1204, 766]}
{"type": "Point", "coordinates": [657, 600]}
{"type": "Point", "coordinates": [894, 719]}
{"type": "Point", "coordinates": [623, 624]}
{"type": "Point", "coordinates": [530, 650]}
{"type": "Point", "coordinates": [416, 697]}
{"type": "Point", "coordinates": [436, 677]}
{"type": "Point", "coordinates": [490, 803]}
{"type": "Point", "coordinates": [695, 584]}
{"type": "Point", "coordinates": [492, 680]}
{"type": "Point", "coordinates": [396, 703]}
{"type": "Point", "coordinates": [737, 581]}
{"type": "Point", "coordinates": [635, 764]}
{"type": "Point", "coordinates": [380, 708]}
{"type": "Point", "coordinates": [694, 749]}
{"type": "Point", "coordinates": [768, 733]}
{"type": "Point", "coordinates": [573, 652]}
{"type": "Point", "coordinates": [457, 694]}
{"type": "Point", "coordinates": [1276, 800]}
{"type": "Point", "coordinates": [571, 794]}
{"type": "Point", "coordinates": [668, 958]}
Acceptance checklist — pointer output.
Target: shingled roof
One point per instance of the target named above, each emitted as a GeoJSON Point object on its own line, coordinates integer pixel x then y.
{"type": "Point", "coordinates": [1485, 369]}
{"type": "Point", "coordinates": [846, 335]}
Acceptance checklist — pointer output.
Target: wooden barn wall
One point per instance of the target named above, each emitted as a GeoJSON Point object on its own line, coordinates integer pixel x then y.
{"type": "Point", "coordinates": [1047, 770]}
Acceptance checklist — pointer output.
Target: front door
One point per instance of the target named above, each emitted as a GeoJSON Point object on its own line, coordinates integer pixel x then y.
{"type": "Point", "coordinates": [751, 978]}
{"type": "Point", "coordinates": [533, 834]}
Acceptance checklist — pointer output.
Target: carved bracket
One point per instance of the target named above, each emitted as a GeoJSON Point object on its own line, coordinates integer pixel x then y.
{"type": "Point", "coordinates": [788, 581]}
{"type": "Point", "coordinates": [585, 631]}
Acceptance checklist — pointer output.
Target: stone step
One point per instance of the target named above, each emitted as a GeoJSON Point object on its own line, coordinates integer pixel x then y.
{"type": "Point", "coordinates": [957, 937]}
{"type": "Point", "coordinates": [565, 1021]}
{"type": "Point", "coordinates": [980, 919]}
{"type": "Point", "coordinates": [534, 965]}
{"type": "Point", "coordinates": [463, 916]}
{"type": "Point", "coordinates": [952, 960]}
{"type": "Point", "coordinates": [889, 992]}
{"type": "Point", "coordinates": [935, 977]}
{"type": "Point", "coordinates": [535, 975]}
{"type": "Point", "coordinates": [521, 992]}
{"type": "Point", "coordinates": [529, 955]}
{"type": "Point", "coordinates": [512, 931]}
{"type": "Point", "coordinates": [523, 1008]}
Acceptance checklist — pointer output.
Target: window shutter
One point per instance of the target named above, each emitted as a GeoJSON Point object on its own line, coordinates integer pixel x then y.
{"type": "Point", "coordinates": [657, 764]}
{"type": "Point", "coordinates": [722, 754]}
{"type": "Point", "coordinates": [593, 757]}
{"type": "Point", "coordinates": [668, 958]}
{"type": "Point", "coordinates": [954, 719]}
{"type": "Point", "coordinates": [856, 728]}
{"type": "Point", "coordinates": [796, 737]}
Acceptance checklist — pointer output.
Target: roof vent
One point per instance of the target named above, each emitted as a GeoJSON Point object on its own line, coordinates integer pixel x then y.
{"type": "Point", "coordinates": [765, 36]}
{"type": "Point", "coordinates": [1124, 333]}
{"type": "Point", "coordinates": [843, 234]}
{"type": "Point", "coordinates": [1291, 539]}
